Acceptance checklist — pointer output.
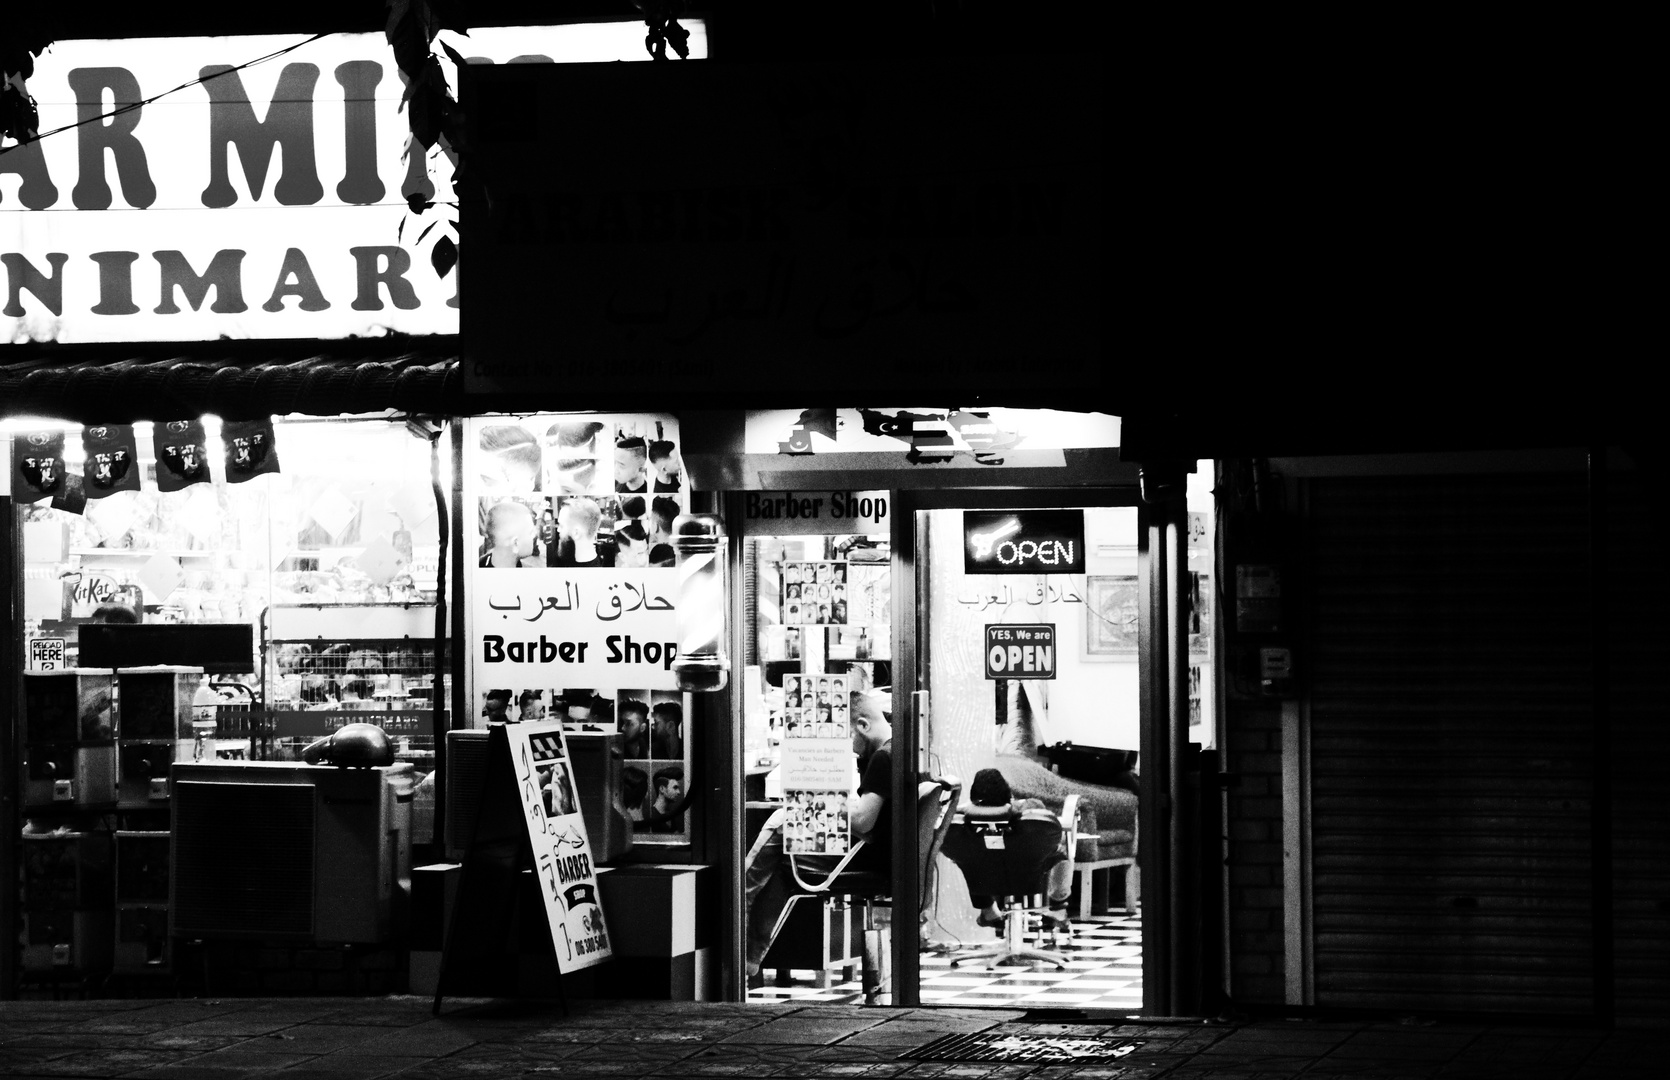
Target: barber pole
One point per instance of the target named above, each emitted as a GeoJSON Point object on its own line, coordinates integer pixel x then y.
{"type": "Point", "coordinates": [701, 663]}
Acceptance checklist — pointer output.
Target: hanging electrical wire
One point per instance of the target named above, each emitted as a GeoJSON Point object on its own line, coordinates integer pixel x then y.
{"type": "Point", "coordinates": [132, 105]}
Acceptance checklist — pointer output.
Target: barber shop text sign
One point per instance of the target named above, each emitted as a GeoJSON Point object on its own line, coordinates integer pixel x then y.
{"type": "Point", "coordinates": [1020, 652]}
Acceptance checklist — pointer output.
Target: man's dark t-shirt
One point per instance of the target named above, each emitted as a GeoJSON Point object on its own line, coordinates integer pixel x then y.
{"type": "Point", "coordinates": [877, 776]}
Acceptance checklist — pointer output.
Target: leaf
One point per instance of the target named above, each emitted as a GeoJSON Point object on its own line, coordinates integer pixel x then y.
{"type": "Point", "coordinates": [402, 228]}
{"type": "Point", "coordinates": [425, 232]}
{"type": "Point", "coordinates": [417, 202]}
{"type": "Point", "coordinates": [444, 256]}
{"type": "Point", "coordinates": [453, 54]}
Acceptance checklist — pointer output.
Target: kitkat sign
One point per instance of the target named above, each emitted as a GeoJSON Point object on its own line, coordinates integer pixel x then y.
{"type": "Point", "coordinates": [260, 201]}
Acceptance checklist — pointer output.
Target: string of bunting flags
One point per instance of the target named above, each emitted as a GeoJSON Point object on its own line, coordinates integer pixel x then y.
{"type": "Point", "coordinates": [110, 459]}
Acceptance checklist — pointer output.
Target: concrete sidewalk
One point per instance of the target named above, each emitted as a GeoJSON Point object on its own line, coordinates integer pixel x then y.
{"type": "Point", "coordinates": [363, 1038]}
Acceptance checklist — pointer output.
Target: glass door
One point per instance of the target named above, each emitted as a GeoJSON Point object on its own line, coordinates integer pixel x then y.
{"type": "Point", "coordinates": [816, 692]}
{"type": "Point", "coordinates": [1026, 651]}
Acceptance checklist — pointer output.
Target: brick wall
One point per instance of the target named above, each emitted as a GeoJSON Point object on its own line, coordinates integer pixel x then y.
{"type": "Point", "coordinates": [1253, 744]}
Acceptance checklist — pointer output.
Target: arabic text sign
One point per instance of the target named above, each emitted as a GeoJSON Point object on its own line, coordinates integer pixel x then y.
{"type": "Point", "coordinates": [593, 627]}
{"type": "Point", "coordinates": [1023, 541]}
{"type": "Point", "coordinates": [561, 849]}
{"type": "Point", "coordinates": [264, 201]}
{"type": "Point", "coordinates": [1002, 596]}
{"type": "Point", "coordinates": [1020, 652]}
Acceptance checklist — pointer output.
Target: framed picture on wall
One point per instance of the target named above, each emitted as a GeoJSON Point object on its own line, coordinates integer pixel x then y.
{"type": "Point", "coordinates": [1110, 612]}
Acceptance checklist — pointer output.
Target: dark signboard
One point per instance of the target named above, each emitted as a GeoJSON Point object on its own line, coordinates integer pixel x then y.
{"type": "Point", "coordinates": [1023, 541]}
{"type": "Point", "coordinates": [924, 220]}
{"type": "Point", "coordinates": [1020, 651]}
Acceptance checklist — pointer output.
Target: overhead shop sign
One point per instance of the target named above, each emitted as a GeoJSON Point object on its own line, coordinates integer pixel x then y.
{"type": "Point", "coordinates": [893, 437]}
{"type": "Point", "coordinates": [260, 201]}
{"type": "Point", "coordinates": [921, 223]}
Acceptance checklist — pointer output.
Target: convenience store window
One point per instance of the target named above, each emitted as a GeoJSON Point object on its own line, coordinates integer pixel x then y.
{"type": "Point", "coordinates": [331, 560]}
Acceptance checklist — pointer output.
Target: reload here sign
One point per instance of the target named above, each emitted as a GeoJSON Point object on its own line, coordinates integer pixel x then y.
{"type": "Point", "coordinates": [1020, 652]}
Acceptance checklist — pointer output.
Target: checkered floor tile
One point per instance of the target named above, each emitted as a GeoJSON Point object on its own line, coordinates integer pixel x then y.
{"type": "Point", "coordinates": [1104, 971]}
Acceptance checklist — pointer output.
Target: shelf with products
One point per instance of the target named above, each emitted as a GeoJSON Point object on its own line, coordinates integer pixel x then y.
{"type": "Point", "coordinates": [373, 669]}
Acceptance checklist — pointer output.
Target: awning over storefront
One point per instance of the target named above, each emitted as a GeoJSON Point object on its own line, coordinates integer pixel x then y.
{"type": "Point", "coordinates": [233, 380]}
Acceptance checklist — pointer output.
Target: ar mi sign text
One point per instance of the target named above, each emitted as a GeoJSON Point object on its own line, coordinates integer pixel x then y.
{"type": "Point", "coordinates": [265, 201]}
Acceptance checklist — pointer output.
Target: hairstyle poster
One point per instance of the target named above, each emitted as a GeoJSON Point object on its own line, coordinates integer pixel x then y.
{"type": "Point", "coordinates": [574, 581]}
{"type": "Point", "coordinates": [815, 594]}
{"type": "Point", "coordinates": [817, 763]}
{"type": "Point", "coordinates": [562, 851]}
{"type": "Point", "coordinates": [648, 733]}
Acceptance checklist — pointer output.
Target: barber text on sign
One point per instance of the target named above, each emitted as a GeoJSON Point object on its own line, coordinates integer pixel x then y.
{"type": "Point", "coordinates": [795, 513]}
{"type": "Point", "coordinates": [1020, 651]}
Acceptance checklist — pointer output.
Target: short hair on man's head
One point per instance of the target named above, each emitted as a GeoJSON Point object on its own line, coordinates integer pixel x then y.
{"type": "Point", "coordinates": [582, 515]}
{"type": "Point", "coordinates": [574, 433]}
{"type": "Point", "coordinates": [989, 788]}
{"type": "Point", "coordinates": [660, 450]}
{"type": "Point", "coordinates": [633, 506]}
{"type": "Point", "coordinates": [671, 772]}
{"type": "Point", "coordinates": [498, 695]}
{"type": "Point", "coordinates": [665, 508]}
{"type": "Point", "coordinates": [632, 705]}
{"type": "Point", "coordinates": [113, 612]}
{"type": "Point", "coordinates": [633, 444]}
{"type": "Point", "coordinates": [505, 509]}
{"type": "Point", "coordinates": [633, 532]}
{"type": "Point", "coordinates": [662, 555]}
{"type": "Point", "coordinates": [669, 711]}
{"type": "Point", "coordinates": [634, 784]}
{"type": "Point", "coordinates": [866, 706]}
{"type": "Point", "coordinates": [501, 438]}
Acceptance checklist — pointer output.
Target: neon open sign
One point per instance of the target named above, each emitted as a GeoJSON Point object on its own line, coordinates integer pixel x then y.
{"type": "Point", "coordinates": [1023, 541]}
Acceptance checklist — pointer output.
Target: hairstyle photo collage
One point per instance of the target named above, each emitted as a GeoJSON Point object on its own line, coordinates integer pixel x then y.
{"type": "Point", "coordinates": [816, 824]}
{"type": "Point", "coordinates": [648, 726]}
{"type": "Point", "coordinates": [815, 706]}
{"type": "Point", "coordinates": [575, 491]}
{"type": "Point", "coordinates": [555, 777]}
{"type": "Point", "coordinates": [814, 594]}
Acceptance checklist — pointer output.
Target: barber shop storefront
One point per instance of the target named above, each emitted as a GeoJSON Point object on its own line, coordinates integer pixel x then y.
{"type": "Point", "coordinates": [726, 613]}
{"type": "Point", "coordinates": [972, 635]}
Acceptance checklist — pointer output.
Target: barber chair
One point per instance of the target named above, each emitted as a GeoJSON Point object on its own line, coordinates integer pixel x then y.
{"type": "Point", "coordinates": [936, 804]}
{"type": "Point", "coordinates": [1008, 859]}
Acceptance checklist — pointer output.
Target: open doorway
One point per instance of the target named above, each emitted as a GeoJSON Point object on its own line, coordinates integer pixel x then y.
{"type": "Point", "coordinates": [1029, 658]}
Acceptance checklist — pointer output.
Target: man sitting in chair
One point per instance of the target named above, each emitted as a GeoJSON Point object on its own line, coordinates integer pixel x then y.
{"type": "Point", "coordinates": [990, 792]}
{"type": "Point", "coordinates": [769, 877]}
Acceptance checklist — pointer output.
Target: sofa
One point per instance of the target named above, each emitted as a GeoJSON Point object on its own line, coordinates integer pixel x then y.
{"type": "Point", "coordinates": [1107, 829]}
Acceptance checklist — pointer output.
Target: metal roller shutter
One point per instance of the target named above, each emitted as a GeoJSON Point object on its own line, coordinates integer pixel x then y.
{"type": "Point", "coordinates": [1637, 603]}
{"type": "Point", "coordinates": [1450, 743]}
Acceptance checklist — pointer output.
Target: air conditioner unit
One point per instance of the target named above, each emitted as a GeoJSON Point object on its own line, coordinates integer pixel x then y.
{"type": "Point", "coordinates": [286, 851]}
{"type": "Point", "coordinates": [465, 778]}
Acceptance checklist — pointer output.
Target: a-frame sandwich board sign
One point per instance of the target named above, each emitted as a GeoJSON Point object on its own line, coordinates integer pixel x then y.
{"type": "Point", "coordinates": [528, 835]}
